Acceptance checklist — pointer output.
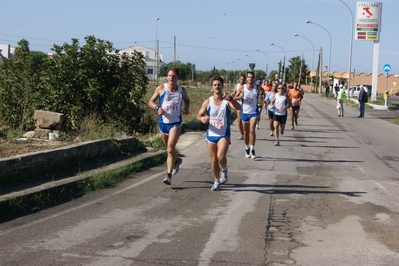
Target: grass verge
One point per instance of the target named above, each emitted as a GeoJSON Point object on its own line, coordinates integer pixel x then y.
{"type": "Point", "coordinates": [38, 201]}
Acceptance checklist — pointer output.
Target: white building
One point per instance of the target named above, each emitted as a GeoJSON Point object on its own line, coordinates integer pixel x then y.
{"type": "Point", "coordinates": [152, 69]}
{"type": "Point", "coordinates": [6, 52]}
{"type": "Point", "coordinates": [153, 66]}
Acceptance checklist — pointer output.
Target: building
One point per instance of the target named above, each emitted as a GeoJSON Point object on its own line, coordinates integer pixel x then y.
{"type": "Point", "coordinates": [390, 82]}
{"type": "Point", "coordinates": [6, 52]}
{"type": "Point", "coordinates": [153, 66]}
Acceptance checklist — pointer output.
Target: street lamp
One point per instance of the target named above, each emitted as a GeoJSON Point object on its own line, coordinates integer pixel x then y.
{"type": "Point", "coordinates": [254, 64]}
{"type": "Point", "coordinates": [234, 71]}
{"type": "Point", "coordinates": [329, 58]}
{"type": "Point", "coordinates": [243, 61]}
{"type": "Point", "coordinates": [252, 58]}
{"type": "Point", "coordinates": [268, 60]}
{"type": "Point", "coordinates": [297, 35]}
{"type": "Point", "coordinates": [285, 55]}
{"type": "Point", "coordinates": [350, 46]}
{"type": "Point", "coordinates": [234, 62]}
{"type": "Point", "coordinates": [156, 51]}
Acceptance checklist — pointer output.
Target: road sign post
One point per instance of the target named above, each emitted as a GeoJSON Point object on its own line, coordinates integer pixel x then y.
{"type": "Point", "coordinates": [386, 68]}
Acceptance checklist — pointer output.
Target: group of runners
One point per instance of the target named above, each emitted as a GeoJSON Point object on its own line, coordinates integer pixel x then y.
{"type": "Point", "coordinates": [276, 98]}
{"type": "Point", "coordinates": [248, 99]}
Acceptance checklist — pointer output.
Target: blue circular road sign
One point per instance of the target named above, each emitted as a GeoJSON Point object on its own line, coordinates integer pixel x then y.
{"type": "Point", "coordinates": [387, 68]}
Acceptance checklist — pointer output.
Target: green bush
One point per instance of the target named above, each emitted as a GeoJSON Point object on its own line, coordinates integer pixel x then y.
{"type": "Point", "coordinates": [78, 81]}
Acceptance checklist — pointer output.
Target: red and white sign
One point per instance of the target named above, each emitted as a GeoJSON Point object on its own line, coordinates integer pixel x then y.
{"type": "Point", "coordinates": [368, 21]}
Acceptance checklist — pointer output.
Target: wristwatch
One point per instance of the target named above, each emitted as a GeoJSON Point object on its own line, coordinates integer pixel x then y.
{"type": "Point", "coordinates": [156, 108]}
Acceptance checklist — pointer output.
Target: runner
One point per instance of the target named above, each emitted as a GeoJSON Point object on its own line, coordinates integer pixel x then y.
{"type": "Point", "coordinates": [261, 102]}
{"type": "Point", "coordinates": [249, 115]}
{"type": "Point", "coordinates": [216, 110]}
{"type": "Point", "coordinates": [281, 105]}
{"type": "Point", "coordinates": [171, 95]}
{"type": "Point", "coordinates": [295, 97]}
{"type": "Point", "coordinates": [237, 97]}
{"type": "Point", "coordinates": [269, 107]}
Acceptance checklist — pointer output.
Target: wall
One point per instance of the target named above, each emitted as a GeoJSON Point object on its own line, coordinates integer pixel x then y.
{"type": "Point", "coordinates": [364, 79]}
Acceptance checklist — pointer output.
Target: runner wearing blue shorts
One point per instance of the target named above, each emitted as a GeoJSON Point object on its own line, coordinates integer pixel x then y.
{"type": "Point", "coordinates": [249, 114]}
{"type": "Point", "coordinates": [171, 96]}
{"type": "Point", "coordinates": [216, 111]}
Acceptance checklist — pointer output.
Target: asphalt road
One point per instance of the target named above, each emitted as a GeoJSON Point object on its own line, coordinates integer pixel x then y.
{"type": "Point", "coordinates": [327, 196]}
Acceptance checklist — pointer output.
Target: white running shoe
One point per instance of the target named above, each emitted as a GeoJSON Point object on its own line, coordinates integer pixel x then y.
{"type": "Point", "coordinates": [176, 167]}
{"type": "Point", "coordinates": [253, 156]}
{"type": "Point", "coordinates": [271, 134]}
{"type": "Point", "coordinates": [223, 176]}
{"type": "Point", "coordinates": [216, 186]}
{"type": "Point", "coordinates": [247, 154]}
{"type": "Point", "coordinates": [241, 137]}
{"type": "Point", "coordinates": [167, 180]}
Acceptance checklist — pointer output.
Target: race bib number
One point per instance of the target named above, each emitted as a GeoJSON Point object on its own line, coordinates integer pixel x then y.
{"type": "Point", "coordinates": [217, 122]}
{"type": "Point", "coordinates": [249, 101]}
{"type": "Point", "coordinates": [170, 107]}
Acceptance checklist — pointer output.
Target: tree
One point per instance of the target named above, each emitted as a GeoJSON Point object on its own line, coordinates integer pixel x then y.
{"type": "Point", "coordinates": [96, 80]}
{"type": "Point", "coordinates": [186, 71]}
{"type": "Point", "coordinates": [21, 90]}
{"type": "Point", "coordinates": [92, 80]}
{"type": "Point", "coordinates": [273, 75]}
{"type": "Point", "coordinates": [297, 70]}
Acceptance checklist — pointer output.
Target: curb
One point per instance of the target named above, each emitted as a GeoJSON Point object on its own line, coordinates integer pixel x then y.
{"type": "Point", "coordinates": [6, 200]}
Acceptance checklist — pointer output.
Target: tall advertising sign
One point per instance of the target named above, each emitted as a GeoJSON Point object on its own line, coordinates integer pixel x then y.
{"type": "Point", "coordinates": [368, 21]}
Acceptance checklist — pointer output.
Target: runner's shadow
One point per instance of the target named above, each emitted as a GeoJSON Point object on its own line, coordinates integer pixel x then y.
{"type": "Point", "coordinates": [274, 189]}
{"type": "Point", "coordinates": [289, 191]}
{"type": "Point", "coordinates": [265, 158]}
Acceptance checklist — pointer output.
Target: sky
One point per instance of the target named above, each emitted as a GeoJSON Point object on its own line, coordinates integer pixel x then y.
{"type": "Point", "coordinates": [220, 33]}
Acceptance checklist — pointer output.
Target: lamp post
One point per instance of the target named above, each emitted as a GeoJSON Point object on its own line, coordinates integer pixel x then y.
{"type": "Point", "coordinates": [297, 35]}
{"type": "Point", "coordinates": [350, 46]}
{"type": "Point", "coordinates": [254, 64]}
{"type": "Point", "coordinates": [329, 57]}
{"type": "Point", "coordinates": [156, 51]}
{"type": "Point", "coordinates": [238, 59]}
{"type": "Point", "coordinates": [234, 62]}
{"type": "Point", "coordinates": [268, 60]}
{"type": "Point", "coordinates": [285, 55]}
{"type": "Point", "coordinates": [253, 59]}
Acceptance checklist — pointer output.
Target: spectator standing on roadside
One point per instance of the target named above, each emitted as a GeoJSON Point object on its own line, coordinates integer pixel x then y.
{"type": "Point", "coordinates": [327, 90]}
{"type": "Point", "coordinates": [336, 89]}
{"type": "Point", "coordinates": [362, 99]}
{"type": "Point", "coordinates": [216, 111]}
{"type": "Point", "coordinates": [237, 95]}
{"type": "Point", "coordinates": [340, 103]}
{"type": "Point", "coordinates": [171, 96]}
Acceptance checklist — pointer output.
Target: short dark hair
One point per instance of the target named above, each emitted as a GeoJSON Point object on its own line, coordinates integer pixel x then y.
{"type": "Point", "coordinates": [219, 78]}
{"type": "Point", "coordinates": [174, 69]}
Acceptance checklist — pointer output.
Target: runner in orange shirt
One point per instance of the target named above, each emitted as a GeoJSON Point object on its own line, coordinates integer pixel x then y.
{"type": "Point", "coordinates": [295, 96]}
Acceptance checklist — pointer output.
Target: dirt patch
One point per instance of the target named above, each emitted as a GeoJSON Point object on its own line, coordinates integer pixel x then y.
{"type": "Point", "coordinates": [14, 147]}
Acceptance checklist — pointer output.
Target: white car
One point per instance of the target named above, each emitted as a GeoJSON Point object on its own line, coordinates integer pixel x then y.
{"type": "Point", "coordinates": [356, 89]}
